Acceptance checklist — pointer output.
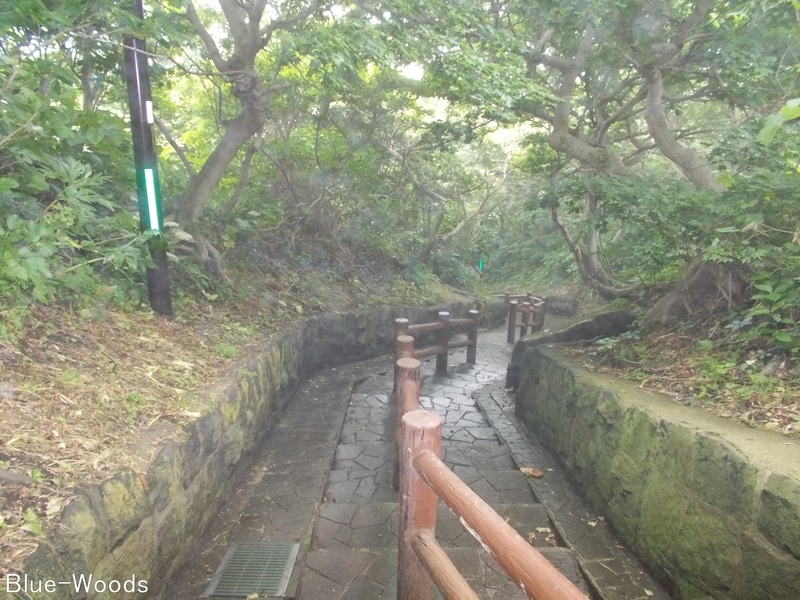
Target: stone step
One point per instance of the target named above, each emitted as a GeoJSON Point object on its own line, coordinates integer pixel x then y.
{"type": "Point", "coordinates": [529, 520]}
{"type": "Point", "coordinates": [372, 575]}
{"type": "Point", "coordinates": [359, 483]}
{"type": "Point", "coordinates": [374, 526]}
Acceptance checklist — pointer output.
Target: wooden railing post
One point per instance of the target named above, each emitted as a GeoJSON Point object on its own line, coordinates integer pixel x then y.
{"type": "Point", "coordinates": [400, 327]}
{"type": "Point", "coordinates": [512, 321]}
{"type": "Point", "coordinates": [442, 337]}
{"type": "Point", "coordinates": [421, 430]}
{"type": "Point", "coordinates": [526, 319]}
{"type": "Point", "coordinates": [406, 398]}
{"type": "Point", "coordinates": [539, 320]}
{"type": "Point", "coordinates": [472, 337]}
{"type": "Point", "coordinates": [507, 298]}
{"type": "Point", "coordinates": [403, 348]}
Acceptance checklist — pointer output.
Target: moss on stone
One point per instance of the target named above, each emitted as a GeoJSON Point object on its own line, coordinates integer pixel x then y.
{"type": "Point", "coordinates": [779, 516]}
{"type": "Point", "coordinates": [124, 503]}
{"type": "Point", "coordinates": [664, 504]}
{"type": "Point", "coordinates": [233, 444]}
{"type": "Point", "coordinates": [79, 536]}
{"type": "Point", "coordinates": [764, 573]}
{"type": "Point", "coordinates": [680, 497]}
{"type": "Point", "coordinates": [723, 477]}
{"type": "Point", "coordinates": [708, 547]}
{"type": "Point", "coordinates": [136, 555]}
{"type": "Point", "coordinates": [677, 452]}
{"type": "Point", "coordinates": [165, 477]}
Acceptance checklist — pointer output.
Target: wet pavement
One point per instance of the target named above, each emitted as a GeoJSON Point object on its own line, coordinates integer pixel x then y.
{"type": "Point", "coordinates": [324, 479]}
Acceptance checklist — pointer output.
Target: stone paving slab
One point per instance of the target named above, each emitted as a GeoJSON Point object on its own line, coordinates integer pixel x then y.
{"type": "Point", "coordinates": [371, 575]}
{"type": "Point", "coordinates": [358, 521]}
{"type": "Point", "coordinates": [328, 462]}
{"type": "Point", "coordinates": [280, 496]}
{"type": "Point", "coordinates": [614, 572]}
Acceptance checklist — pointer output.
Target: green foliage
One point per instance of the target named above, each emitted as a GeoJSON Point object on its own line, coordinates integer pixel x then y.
{"type": "Point", "coordinates": [63, 158]}
{"type": "Point", "coordinates": [788, 112]}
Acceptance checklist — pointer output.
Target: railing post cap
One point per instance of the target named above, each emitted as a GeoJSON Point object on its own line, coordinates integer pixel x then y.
{"type": "Point", "coordinates": [401, 320]}
{"type": "Point", "coordinates": [408, 362]}
{"type": "Point", "coordinates": [474, 311]}
{"type": "Point", "coordinates": [444, 313]}
{"type": "Point", "coordinates": [514, 302]}
{"type": "Point", "coordinates": [405, 338]}
{"type": "Point", "coordinates": [422, 419]}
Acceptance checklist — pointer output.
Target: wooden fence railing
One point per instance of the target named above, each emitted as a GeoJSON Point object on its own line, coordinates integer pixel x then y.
{"type": "Point", "coordinates": [423, 478]}
{"type": "Point", "coordinates": [530, 314]}
{"type": "Point", "coordinates": [527, 297]}
{"type": "Point", "coordinates": [444, 328]}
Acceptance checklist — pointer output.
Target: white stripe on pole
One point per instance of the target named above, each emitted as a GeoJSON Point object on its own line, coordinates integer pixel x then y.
{"type": "Point", "coordinates": [150, 184]}
{"type": "Point", "coordinates": [148, 108]}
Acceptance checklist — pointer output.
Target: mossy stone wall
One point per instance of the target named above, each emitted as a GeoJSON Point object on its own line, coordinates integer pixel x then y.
{"type": "Point", "coordinates": [147, 524]}
{"type": "Point", "coordinates": [711, 507]}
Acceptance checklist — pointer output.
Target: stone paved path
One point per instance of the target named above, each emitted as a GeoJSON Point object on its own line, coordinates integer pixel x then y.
{"type": "Point", "coordinates": [324, 479]}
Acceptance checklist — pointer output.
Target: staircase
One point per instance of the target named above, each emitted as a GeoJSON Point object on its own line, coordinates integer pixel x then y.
{"type": "Point", "coordinates": [353, 554]}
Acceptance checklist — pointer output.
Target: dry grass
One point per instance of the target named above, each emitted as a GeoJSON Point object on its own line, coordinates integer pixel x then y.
{"type": "Point", "coordinates": [81, 398]}
{"type": "Point", "coordinates": [722, 379]}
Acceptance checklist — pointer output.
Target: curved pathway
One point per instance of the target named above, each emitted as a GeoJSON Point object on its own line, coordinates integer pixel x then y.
{"type": "Point", "coordinates": [323, 478]}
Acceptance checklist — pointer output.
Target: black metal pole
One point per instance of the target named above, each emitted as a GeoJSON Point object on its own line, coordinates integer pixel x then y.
{"type": "Point", "coordinates": [140, 105]}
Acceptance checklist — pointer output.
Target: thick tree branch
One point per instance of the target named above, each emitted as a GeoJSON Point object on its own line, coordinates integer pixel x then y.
{"type": "Point", "coordinates": [593, 280]}
{"type": "Point", "coordinates": [287, 22]}
{"type": "Point", "coordinates": [694, 167]}
{"type": "Point", "coordinates": [211, 46]}
{"type": "Point", "coordinates": [236, 16]}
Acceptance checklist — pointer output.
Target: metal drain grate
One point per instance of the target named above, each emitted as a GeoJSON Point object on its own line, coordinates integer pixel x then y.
{"type": "Point", "coordinates": [253, 568]}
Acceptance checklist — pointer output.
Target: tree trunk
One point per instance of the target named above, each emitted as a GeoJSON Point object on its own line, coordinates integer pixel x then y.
{"type": "Point", "coordinates": [200, 189]}
{"type": "Point", "coordinates": [700, 281]}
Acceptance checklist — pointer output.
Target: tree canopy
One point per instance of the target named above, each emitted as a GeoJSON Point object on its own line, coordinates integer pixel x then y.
{"type": "Point", "coordinates": [374, 126]}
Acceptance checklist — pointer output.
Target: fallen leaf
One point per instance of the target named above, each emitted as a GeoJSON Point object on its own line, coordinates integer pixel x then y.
{"type": "Point", "coordinates": [54, 506]}
{"type": "Point", "coordinates": [543, 529]}
{"type": "Point", "coordinates": [532, 472]}
{"type": "Point", "coordinates": [551, 540]}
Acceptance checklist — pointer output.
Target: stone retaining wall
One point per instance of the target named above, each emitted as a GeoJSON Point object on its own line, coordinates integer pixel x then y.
{"type": "Point", "coordinates": [146, 524]}
{"type": "Point", "coordinates": [710, 506]}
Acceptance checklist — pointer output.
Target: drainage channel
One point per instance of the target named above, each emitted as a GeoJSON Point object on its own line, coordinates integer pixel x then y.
{"type": "Point", "coordinates": [279, 496]}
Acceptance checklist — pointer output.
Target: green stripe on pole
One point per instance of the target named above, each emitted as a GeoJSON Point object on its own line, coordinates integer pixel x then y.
{"type": "Point", "coordinates": [152, 199]}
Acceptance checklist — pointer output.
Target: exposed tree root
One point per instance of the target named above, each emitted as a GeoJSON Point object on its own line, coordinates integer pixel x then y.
{"type": "Point", "coordinates": [701, 283]}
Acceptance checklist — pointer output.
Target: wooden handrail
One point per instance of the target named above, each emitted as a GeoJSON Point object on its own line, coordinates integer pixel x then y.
{"type": "Point", "coordinates": [443, 327]}
{"type": "Point", "coordinates": [423, 327]}
{"type": "Point", "coordinates": [423, 477]}
{"type": "Point", "coordinates": [531, 571]}
{"type": "Point", "coordinates": [532, 315]}
{"type": "Point", "coordinates": [508, 297]}
{"type": "Point", "coordinates": [441, 569]}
